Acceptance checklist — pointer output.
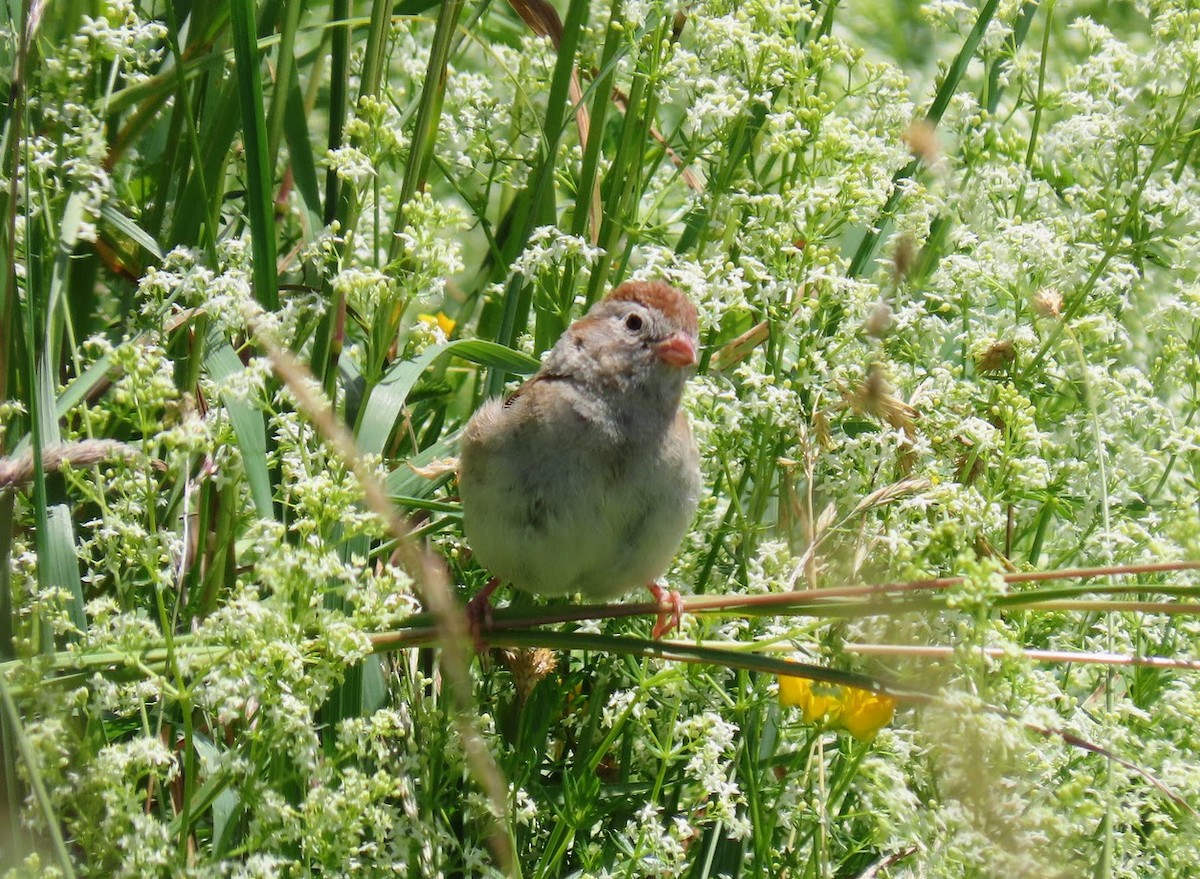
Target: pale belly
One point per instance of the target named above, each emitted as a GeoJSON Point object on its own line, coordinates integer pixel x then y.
{"type": "Point", "coordinates": [591, 532]}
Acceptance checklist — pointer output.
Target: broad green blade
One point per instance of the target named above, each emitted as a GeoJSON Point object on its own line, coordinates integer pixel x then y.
{"type": "Point", "coordinates": [222, 361]}
{"type": "Point", "coordinates": [387, 399]}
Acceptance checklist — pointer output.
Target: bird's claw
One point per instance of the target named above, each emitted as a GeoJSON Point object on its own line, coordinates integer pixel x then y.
{"type": "Point", "coordinates": [667, 620]}
{"type": "Point", "coordinates": [479, 615]}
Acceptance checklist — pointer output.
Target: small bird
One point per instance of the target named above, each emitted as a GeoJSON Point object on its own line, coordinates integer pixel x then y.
{"type": "Point", "coordinates": [586, 478]}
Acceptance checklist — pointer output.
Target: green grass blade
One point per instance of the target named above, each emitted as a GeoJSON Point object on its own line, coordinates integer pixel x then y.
{"type": "Point", "coordinates": [339, 88]}
{"type": "Point", "coordinates": [372, 69]}
{"type": "Point", "coordinates": [386, 402]}
{"type": "Point", "coordinates": [941, 100]}
{"type": "Point", "coordinates": [285, 79]}
{"type": "Point", "coordinates": [76, 392]}
{"type": "Point", "coordinates": [258, 167]}
{"type": "Point", "coordinates": [58, 566]}
{"type": "Point", "coordinates": [222, 362]}
{"type": "Point", "coordinates": [540, 206]}
{"type": "Point", "coordinates": [429, 113]}
{"type": "Point", "coordinates": [404, 482]}
{"type": "Point", "coordinates": [127, 227]}
{"type": "Point", "coordinates": [716, 656]}
{"type": "Point", "coordinates": [327, 343]}
{"type": "Point", "coordinates": [7, 622]}
{"type": "Point", "coordinates": [15, 732]}
{"type": "Point", "coordinates": [197, 205]}
{"type": "Point", "coordinates": [300, 156]}
{"type": "Point", "coordinates": [58, 563]}
{"type": "Point", "coordinates": [601, 102]}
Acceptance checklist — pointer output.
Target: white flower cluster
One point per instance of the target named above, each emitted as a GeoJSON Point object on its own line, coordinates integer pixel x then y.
{"type": "Point", "coordinates": [962, 349]}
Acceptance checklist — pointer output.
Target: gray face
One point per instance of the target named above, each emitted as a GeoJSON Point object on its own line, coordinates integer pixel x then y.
{"type": "Point", "coordinates": [613, 349]}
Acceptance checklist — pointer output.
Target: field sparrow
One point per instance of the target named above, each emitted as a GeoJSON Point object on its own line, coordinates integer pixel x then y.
{"type": "Point", "coordinates": [586, 478]}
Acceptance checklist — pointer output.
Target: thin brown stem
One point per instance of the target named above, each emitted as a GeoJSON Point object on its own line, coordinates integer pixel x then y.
{"type": "Point", "coordinates": [939, 651]}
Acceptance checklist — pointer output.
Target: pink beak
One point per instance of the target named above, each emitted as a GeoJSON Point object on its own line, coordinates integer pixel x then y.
{"type": "Point", "coordinates": [677, 350]}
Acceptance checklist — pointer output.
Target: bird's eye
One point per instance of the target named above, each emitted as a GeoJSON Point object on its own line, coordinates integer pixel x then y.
{"type": "Point", "coordinates": [633, 322]}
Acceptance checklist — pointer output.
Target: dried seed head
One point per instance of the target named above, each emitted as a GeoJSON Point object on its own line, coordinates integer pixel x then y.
{"type": "Point", "coordinates": [528, 667]}
{"type": "Point", "coordinates": [436, 468]}
{"type": "Point", "coordinates": [903, 258]}
{"type": "Point", "coordinates": [822, 430]}
{"type": "Point", "coordinates": [875, 387]}
{"type": "Point", "coordinates": [879, 321]}
{"type": "Point", "coordinates": [998, 356]}
{"type": "Point", "coordinates": [1047, 302]}
{"type": "Point", "coordinates": [874, 397]}
{"type": "Point", "coordinates": [678, 25]}
{"type": "Point", "coordinates": [968, 468]}
{"type": "Point", "coordinates": [922, 141]}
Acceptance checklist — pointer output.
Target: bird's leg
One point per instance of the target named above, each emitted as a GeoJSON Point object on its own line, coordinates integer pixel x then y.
{"type": "Point", "coordinates": [479, 614]}
{"type": "Point", "coordinates": [666, 620]}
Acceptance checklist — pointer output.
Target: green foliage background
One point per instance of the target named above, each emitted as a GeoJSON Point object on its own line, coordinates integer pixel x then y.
{"type": "Point", "coordinates": [945, 260]}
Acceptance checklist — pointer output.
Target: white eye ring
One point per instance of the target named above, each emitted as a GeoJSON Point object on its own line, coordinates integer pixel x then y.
{"type": "Point", "coordinates": [634, 322]}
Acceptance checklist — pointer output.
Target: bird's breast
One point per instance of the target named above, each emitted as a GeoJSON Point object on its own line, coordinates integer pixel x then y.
{"type": "Point", "coordinates": [578, 515]}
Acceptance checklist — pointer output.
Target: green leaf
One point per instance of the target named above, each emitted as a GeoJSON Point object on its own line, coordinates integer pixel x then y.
{"type": "Point", "coordinates": [58, 565]}
{"type": "Point", "coordinates": [226, 802]}
{"type": "Point", "coordinates": [130, 229]}
{"type": "Point", "coordinates": [12, 729]}
{"type": "Point", "coordinates": [258, 168]}
{"type": "Point", "coordinates": [386, 403]}
{"type": "Point", "coordinates": [304, 169]}
{"type": "Point", "coordinates": [429, 114]}
{"type": "Point", "coordinates": [405, 486]}
{"type": "Point", "coordinates": [222, 362]}
{"type": "Point", "coordinates": [207, 794]}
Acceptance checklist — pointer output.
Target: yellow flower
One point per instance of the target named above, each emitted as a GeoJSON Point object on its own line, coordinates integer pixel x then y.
{"type": "Point", "coordinates": [816, 703]}
{"type": "Point", "coordinates": [859, 712]}
{"type": "Point", "coordinates": [865, 713]}
{"type": "Point", "coordinates": [439, 320]}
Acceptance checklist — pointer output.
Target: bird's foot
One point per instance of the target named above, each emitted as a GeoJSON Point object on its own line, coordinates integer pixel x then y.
{"type": "Point", "coordinates": [667, 620]}
{"type": "Point", "coordinates": [479, 614]}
